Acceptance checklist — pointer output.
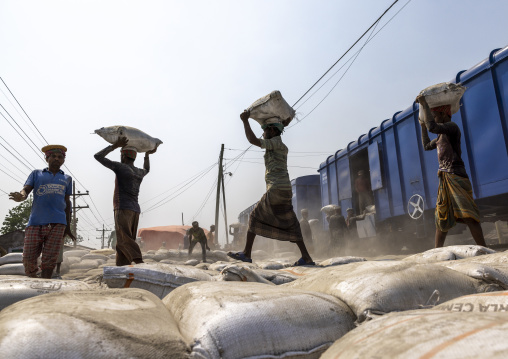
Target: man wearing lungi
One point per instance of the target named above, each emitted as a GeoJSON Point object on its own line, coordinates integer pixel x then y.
{"type": "Point", "coordinates": [50, 215]}
{"type": "Point", "coordinates": [273, 216]}
{"type": "Point", "coordinates": [455, 201]}
{"type": "Point", "coordinates": [125, 199]}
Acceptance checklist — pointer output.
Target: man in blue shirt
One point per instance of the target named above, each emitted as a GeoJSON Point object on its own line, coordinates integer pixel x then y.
{"type": "Point", "coordinates": [50, 217]}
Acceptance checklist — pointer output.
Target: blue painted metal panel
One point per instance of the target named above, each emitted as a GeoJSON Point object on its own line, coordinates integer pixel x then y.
{"type": "Point", "coordinates": [375, 167]}
{"type": "Point", "coordinates": [392, 175]}
{"type": "Point", "coordinates": [500, 76]}
{"type": "Point", "coordinates": [489, 161]}
{"type": "Point", "coordinates": [307, 194]}
{"type": "Point", "coordinates": [332, 181]}
{"type": "Point", "coordinates": [344, 179]}
{"type": "Point", "coordinates": [409, 158]}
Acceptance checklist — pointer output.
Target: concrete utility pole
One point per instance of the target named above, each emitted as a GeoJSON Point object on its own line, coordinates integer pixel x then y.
{"type": "Point", "coordinates": [76, 208]}
{"type": "Point", "coordinates": [225, 212]}
{"type": "Point", "coordinates": [219, 178]}
{"type": "Point", "coordinates": [103, 230]}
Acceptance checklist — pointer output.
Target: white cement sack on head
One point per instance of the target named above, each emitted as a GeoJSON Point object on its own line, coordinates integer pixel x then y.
{"type": "Point", "coordinates": [442, 94]}
{"type": "Point", "coordinates": [386, 287]}
{"type": "Point", "coordinates": [12, 269]}
{"type": "Point", "coordinates": [270, 106]}
{"type": "Point", "coordinates": [426, 334]}
{"type": "Point", "coordinates": [16, 288]}
{"type": "Point", "coordinates": [104, 252]}
{"type": "Point", "coordinates": [86, 264]}
{"type": "Point", "coordinates": [329, 209]}
{"type": "Point", "coordinates": [126, 323]}
{"type": "Point", "coordinates": [141, 141]}
{"type": "Point", "coordinates": [336, 261]}
{"type": "Point", "coordinates": [496, 302]}
{"type": "Point", "coordinates": [489, 273]}
{"type": "Point", "coordinates": [252, 320]}
{"type": "Point", "coordinates": [158, 278]}
{"type": "Point", "coordinates": [11, 258]}
{"type": "Point", "coordinates": [235, 225]}
{"type": "Point", "coordinates": [76, 253]}
{"type": "Point", "coordinates": [449, 253]}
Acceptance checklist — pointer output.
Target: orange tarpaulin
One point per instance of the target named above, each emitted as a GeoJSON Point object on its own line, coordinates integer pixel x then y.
{"type": "Point", "coordinates": [172, 235]}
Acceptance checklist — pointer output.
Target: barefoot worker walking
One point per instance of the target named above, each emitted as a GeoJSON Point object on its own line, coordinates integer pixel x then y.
{"type": "Point", "coordinates": [125, 199]}
{"type": "Point", "coordinates": [273, 216]}
{"type": "Point", "coordinates": [455, 201]}
{"type": "Point", "coordinates": [50, 215]}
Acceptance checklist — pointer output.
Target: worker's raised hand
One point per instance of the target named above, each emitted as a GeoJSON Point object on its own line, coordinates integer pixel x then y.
{"type": "Point", "coordinates": [244, 116]}
{"type": "Point", "coordinates": [121, 142]}
{"type": "Point", "coordinates": [17, 196]}
{"type": "Point", "coordinates": [421, 100]}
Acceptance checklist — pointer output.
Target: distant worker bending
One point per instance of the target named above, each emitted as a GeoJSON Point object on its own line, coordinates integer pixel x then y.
{"type": "Point", "coordinates": [197, 235]}
{"type": "Point", "coordinates": [455, 201]}
{"type": "Point", "coordinates": [273, 216]}
{"type": "Point", "coordinates": [363, 190]}
{"type": "Point", "coordinates": [125, 199]}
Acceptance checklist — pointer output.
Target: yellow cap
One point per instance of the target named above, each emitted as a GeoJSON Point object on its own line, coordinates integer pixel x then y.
{"type": "Point", "coordinates": [53, 147]}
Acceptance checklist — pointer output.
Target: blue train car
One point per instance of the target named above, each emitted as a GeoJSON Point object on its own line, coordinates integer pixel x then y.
{"type": "Point", "coordinates": [307, 194]}
{"type": "Point", "coordinates": [403, 176]}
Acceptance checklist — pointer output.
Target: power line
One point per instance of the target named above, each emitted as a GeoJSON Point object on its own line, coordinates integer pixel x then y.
{"type": "Point", "coordinates": [9, 122]}
{"type": "Point", "coordinates": [340, 58]}
{"type": "Point", "coordinates": [19, 154]}
{"type": "Point", "coordinates": [354, 57]}
{"type": "Point", "coordinates": [23, 109]}
{"type": "Point", "coordinates": [13, 165]}
{"type": "Point", "coordinates": [15, 179]}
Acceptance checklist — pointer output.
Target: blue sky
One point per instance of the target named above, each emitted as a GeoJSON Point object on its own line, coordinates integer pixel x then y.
{"type": "Point", "coordinates": [183, 71]}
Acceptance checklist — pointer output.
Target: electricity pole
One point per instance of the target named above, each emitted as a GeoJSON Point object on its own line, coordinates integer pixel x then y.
{"type": "Point", "coordinates": [219, 178]}
{"type": "Point", "coordinates": [103, 230]}
{"type": "Point", "coordinates": [225, 212]}
{"type": "Point", "coordinates": [76, 208]}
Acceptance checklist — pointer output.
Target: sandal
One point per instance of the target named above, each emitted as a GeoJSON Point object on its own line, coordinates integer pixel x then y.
{"type": "Point", "coordinates": [301, 262]}
{"type": "Point", "coordinates": [239, 256]}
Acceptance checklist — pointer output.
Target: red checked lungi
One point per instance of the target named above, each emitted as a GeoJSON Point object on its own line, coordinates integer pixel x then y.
{"type": "Point", "coordinates": [46, 239]}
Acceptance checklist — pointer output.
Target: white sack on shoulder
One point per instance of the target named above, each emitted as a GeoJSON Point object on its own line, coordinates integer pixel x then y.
{"type": "Point", "coordinates": [138, 139]}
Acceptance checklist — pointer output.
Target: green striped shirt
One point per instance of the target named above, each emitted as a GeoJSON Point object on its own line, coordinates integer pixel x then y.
{"type": "Point", "coordinates": [276, 163]}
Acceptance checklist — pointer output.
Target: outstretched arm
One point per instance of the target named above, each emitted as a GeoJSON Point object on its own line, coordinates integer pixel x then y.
{"type": "Point", "coordinates": [21, 195]}
{"type": "Point", "coordinates": [251, 137]}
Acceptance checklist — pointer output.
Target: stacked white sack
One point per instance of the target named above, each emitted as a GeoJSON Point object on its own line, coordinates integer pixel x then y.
{"type": "Point", "coordinates": [158, 278]}
{"type": "Point", "coordinates": [426, 334]}
{"type": "Point", "coordinates": [139, 140]}
{"type": "Point", "coordinates": [252, 320]}
{"type": "Point", "coordinates": [382, 287]}
{"type": "Point", "coordinates": [126, 323]}
{"type": "Point", "coordinates": [15, 288]}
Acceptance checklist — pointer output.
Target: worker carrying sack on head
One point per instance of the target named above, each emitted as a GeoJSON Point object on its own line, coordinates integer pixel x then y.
{"type": "Point", "coordinates": [455, 201]}
{"type": "Point", "coordinates": [273, 216]}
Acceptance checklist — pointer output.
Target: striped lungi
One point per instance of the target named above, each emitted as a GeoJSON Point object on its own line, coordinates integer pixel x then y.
{"type": "Point", "coordinates": [454, 201]}
{"type": "Point", "coordinates": [46, 239]}
{"type": "Point", "coordinates": [273, 217]}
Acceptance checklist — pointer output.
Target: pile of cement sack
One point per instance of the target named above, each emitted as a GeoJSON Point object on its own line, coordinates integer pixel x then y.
{"type": "Point", "coordinates": [252, 320]}
{"type": "Point", "coordinates": [126, 323]}
{"type": "Point", "coordinates": [12, 264]}
{"type": "Point", "coordinates": [467, 327]}
{"type": "Point", "coordinates": [232, 309]}
{"type": "Point", "coordinates": [16, 288]}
